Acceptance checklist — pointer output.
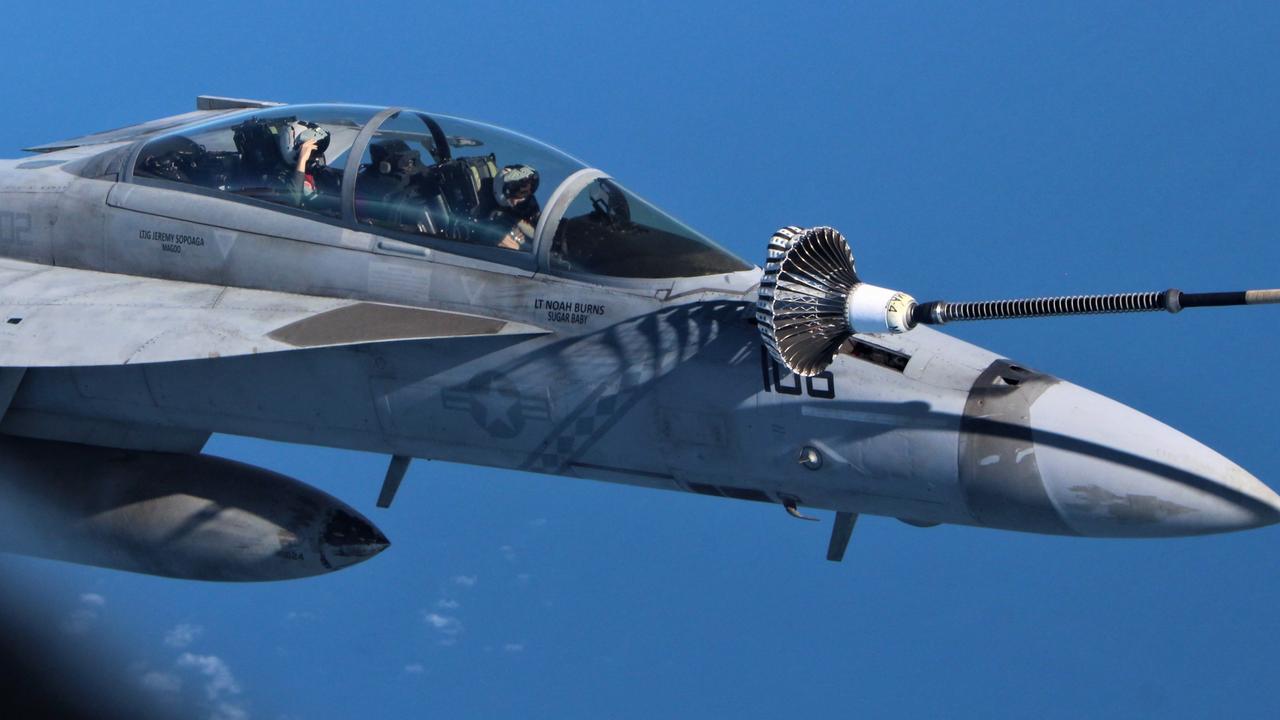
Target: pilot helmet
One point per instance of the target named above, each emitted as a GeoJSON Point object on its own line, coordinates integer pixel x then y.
{"type": "Point", "coordinates": [511, 181]}
{"type": "Point", "coordinates": [294, 134]}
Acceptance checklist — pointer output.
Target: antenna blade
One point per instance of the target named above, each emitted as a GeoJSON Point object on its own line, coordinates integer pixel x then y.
{"type": "Point", "coordinates": [391, 483]}
{"type": "Point", "coordinates": [840, 533]}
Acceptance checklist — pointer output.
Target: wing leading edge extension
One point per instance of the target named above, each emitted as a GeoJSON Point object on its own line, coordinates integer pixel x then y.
{"type": "Point", "coordinates": [63, 317]}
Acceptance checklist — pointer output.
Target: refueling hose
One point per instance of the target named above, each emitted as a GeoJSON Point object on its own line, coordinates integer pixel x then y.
{"type": "Point", "coordinates": [939, 312]}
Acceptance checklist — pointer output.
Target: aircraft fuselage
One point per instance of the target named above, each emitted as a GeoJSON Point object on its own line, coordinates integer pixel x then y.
{"type": "Point", "coordinates": [658, 383]}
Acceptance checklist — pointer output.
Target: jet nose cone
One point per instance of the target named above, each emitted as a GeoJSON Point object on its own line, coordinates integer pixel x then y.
{"type": "Point", "coordinates": [1113, 472]}
{"type": "Point", "coordinates": [349, 538]}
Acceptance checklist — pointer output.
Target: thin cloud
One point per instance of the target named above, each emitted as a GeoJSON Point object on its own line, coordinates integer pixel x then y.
{"type": "Point", "coordinates": [220, 685]}
{"type": "Point", "coordinates": [447, 604]}
{"type": "Point", "coordinates": [228, 711]}
{"type": "Point", "coordinates": [513, 648]}
{"type": "Point", "coordinates": [86, 616]}
{"type": "Point", "coordinates": [414, 668]}
{"type": "Point", "coordinates": [445, 624]}
{"type": "Point", "coordinates": [465, 580]}
{"type": "Point", "coordinates": [182, 635]}
{"type": "Point", "coordinates": [161, 682]}
{"type": "Point", "coordinates": [79, 621]}
{"type": "Point", "coordinates": [218, 680]}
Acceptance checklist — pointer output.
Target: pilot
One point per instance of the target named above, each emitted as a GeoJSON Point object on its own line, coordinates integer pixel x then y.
{"type": "Point", "coordinates": [309, 182]}
{"type": "Point", "coordinates": [389, 190]}
{"type": "Point", "coordinates": [516, 215]}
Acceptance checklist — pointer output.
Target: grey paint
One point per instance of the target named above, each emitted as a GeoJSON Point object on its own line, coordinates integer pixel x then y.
{"type": "Point", "coordinates": [1114, 472]}
{"type": "Point", "coordinates": [10, 379]}
{"type": "Point", "coordinates": [433, 350]}
{"type": "Point", "coordinates": [396, 469]}
{"type": "Point", "coordinates": [373, 322]}
{"type": "Point", "coordinates": [841, 531]}
{"type": "Point", "coordinates": [122, 434]}
{"type": "Point", "coordinates": [47, 313]}
{"type": "Point", "coordinates": [185, 516]}
{"type": "Point", "coordinates": [998, 467]}
{"type": "Point", "coordinates": [216, 102]}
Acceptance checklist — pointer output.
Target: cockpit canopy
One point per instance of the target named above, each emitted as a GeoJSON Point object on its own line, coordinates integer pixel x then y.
{"type": "Point", "coordinates": [433, 180]}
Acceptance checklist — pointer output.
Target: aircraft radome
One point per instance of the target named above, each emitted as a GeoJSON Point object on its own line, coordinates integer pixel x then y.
{"type": "Point", "coordinates": [423, 286]}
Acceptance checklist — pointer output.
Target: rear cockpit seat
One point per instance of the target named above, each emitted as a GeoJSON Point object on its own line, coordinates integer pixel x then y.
{"type": "Point", "coordinates": [465, 187]}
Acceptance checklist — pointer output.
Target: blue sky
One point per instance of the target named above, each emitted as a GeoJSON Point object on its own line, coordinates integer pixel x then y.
{"type": "Point", "coordinates": [968, 152]}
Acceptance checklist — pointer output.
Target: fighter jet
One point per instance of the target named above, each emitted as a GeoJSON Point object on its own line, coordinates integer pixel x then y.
{"type": "Point", "coordinates": [425, 286]}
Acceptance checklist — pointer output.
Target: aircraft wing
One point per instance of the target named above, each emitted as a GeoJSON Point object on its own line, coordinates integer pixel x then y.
{"type": "Point", "coordinates": [207, 106]}
{"type": "Point", "coordinates": [61, 317]}
{"type": "Point", "coordinates": [123, 134]}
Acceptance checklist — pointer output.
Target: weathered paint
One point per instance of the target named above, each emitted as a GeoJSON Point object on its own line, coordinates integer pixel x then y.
{"type": "Point", "coordinates": [150, 316]}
